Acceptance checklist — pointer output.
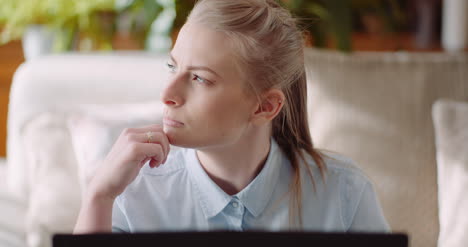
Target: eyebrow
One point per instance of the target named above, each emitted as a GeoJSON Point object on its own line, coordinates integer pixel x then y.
{"type": "Point", "coordinates": [197, 67]}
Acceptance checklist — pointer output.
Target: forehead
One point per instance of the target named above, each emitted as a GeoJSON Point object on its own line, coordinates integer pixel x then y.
{"type": "Point", "coordinates": [202, 46]}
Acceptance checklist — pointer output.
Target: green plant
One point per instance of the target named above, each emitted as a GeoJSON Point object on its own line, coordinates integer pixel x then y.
{"type": "Point", "coordinates": [64, 17]}
{"type": "Point", "coordinates": [92, 22]}
{"type": "Point", "coordinates": [325, 19]}
{"type": "Point", "coordinates": [96, 21]}
{"type": "Point", "coordinates": [389, 12]}
{"type": "Point", "coordinates": [322, 19]}
{"type": "Point", "coordinates": [183, 8]}
{"type": "Point", "coordinates": [148, 20]}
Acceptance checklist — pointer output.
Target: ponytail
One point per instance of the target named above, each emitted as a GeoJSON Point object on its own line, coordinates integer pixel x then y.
{"type": "Point", "coordinates": [291, 132]}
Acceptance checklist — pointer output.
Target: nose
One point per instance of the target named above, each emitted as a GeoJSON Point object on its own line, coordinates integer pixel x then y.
{"type": "Point", "coordinates": [172, 95]}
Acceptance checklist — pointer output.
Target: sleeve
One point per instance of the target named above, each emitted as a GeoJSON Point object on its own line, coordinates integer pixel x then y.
{"type": "Point", "coordinates": [369, 216]}
{"type": "Point", "coordinates": [119, 218]}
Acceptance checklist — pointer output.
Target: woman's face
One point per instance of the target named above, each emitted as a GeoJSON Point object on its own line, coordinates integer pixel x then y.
{"type": "Point", "coordinates": [206, 101]}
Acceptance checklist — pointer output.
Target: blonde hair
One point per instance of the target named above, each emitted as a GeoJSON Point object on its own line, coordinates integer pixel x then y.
{"type": "Point", "coordinates": [270, 50]}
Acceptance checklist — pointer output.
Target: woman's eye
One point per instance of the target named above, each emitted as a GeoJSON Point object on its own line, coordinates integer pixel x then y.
{"type": "Point", "coordinates": [199, 79]}
{"type": "Point", "coordinates": [170, 67]}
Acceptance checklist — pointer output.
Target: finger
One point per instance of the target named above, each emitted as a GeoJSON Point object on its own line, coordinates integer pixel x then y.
{"type": "Point", "coordinates": [142, 151]}
{"type": "Point", "coordinates": [152, 128]}
{"type": "Point", "coordinates": [144, 129]}
{"type": "Point", "coordinates": [143, 162]}
{"type": "Point", "coordinates": [153, 137]}
{"type": "Point", "coordinates": [161, 138]}
{"type": "Point", "coordinates": [154, 163]}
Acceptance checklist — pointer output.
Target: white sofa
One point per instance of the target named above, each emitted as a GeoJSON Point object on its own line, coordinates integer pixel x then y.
{"type": "Point", "coordinates": [374, 107]}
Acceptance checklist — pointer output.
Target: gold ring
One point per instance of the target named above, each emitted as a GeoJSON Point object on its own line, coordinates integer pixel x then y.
{"type": "Point", "coordinates": [149, 135]}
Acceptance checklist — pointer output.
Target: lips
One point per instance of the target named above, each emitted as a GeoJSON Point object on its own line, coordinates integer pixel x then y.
{"type": "Point", "coordinates": [171, 122]}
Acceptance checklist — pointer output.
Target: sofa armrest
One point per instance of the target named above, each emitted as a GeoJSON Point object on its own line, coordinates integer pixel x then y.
{"type": "Point", "coordinates": [2, 173]}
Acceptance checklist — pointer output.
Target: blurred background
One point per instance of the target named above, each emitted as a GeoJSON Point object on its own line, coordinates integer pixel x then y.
{"type": "Point", "coordinates": [33, 28]}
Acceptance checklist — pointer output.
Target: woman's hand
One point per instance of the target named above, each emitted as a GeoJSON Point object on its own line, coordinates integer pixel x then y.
{"type": "Point", "coordinates": [131, 151]}
{"type": "Point", "coordinates": [133, 148]}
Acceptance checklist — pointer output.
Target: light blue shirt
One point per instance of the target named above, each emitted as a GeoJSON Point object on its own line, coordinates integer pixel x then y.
{"type": "Point", "coordinates": [180, 196]}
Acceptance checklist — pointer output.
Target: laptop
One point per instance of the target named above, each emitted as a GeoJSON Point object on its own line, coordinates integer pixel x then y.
{"type": "Point", "coordinates": [231, 238]}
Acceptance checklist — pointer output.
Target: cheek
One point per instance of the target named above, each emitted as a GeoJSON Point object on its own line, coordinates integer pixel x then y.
{"type": "Point", "coordinates": [220, 113]}
{"type": "Point", "coordinates": [213, 118]}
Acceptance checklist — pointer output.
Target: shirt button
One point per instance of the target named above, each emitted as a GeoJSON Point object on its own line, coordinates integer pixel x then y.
{"type": "Point", "coordinates": [235, 204]}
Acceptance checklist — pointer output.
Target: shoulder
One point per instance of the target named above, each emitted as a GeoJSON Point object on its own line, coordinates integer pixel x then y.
{"type": "Point", "coordinates": [347, 167]}
{"type": "Point", "coordinates": [342, 177]}
{"type": "Point", "coordinates": [349, 184]}
{"type": "Point", "coordinates": [351, 180]}
{"type": "Point", "coordinates": [346, 172]}
{"type": "Point", "coordinates": [359, 202]}
{"type": "Point", "coordinates": [339, 167]}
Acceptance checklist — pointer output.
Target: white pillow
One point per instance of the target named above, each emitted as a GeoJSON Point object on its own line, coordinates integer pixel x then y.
{"type": "Point", "coordinates": [63, 149]}
{"type": "Point", "coordinates": [95, 128]}
{"type": "Point", "coordinates": [451, 132]}
{"type": "Point", "coordinates": [54, 201]}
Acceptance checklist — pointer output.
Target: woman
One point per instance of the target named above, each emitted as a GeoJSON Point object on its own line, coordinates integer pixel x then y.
{"type": "Point", "coordinates": [236, 104]}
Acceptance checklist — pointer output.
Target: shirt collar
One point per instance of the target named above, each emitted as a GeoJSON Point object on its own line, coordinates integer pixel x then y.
{"type": "Point", "coordinates": [254, 197]}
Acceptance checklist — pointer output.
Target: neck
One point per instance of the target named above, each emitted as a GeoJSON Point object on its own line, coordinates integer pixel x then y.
{"type": "Point", "coordinates": [234, 166]}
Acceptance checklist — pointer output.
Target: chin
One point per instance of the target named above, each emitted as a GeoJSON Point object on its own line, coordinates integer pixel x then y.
{"type": "Point", "coordinates": [178, 138]}
{"type": "Point", "coordinates": [186, 140]}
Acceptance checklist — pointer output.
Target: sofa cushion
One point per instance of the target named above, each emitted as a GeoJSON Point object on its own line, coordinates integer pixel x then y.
{"type": "Point", "coordinates": [376, 109]}
{"type": "Point", "coordinates": [451, 132]}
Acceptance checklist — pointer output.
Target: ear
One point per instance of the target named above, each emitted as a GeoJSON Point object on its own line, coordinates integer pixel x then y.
{"type": "Point", "coordinates": [271, 103]}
